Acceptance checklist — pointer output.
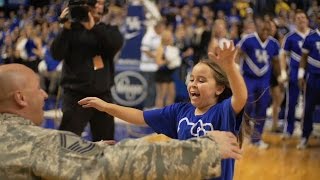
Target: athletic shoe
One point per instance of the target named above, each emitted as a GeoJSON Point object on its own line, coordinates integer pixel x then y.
{"type": "Point", "coordinates": [302, 144]}
{"type": "Point", "coordinates": [286, 135]}
{"type": "Point", "coordinates": [261, 145]}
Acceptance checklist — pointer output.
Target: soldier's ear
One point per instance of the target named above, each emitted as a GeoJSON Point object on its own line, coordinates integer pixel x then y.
{"type": "Point", "coordinates": [20, 99]}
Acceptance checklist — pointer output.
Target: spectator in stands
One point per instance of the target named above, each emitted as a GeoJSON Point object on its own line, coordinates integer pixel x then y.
{"type": "Point", "coordinates": [150, 43]}
{"type": "Point", "coordinates": [168, 58]}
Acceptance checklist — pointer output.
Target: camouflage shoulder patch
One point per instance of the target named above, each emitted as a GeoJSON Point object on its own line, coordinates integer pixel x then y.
{"type": "Point", "coordinates": [74, 143]}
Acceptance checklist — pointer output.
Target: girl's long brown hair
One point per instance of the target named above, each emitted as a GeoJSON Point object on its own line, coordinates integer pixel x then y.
{"type": "Point", "coordinates": [222, 80]}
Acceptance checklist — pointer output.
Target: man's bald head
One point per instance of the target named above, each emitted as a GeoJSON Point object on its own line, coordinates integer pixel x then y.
{"type": "Point", "coordinates": [20, 92]}
{"type": "Point", "coordinates": [13, 77]}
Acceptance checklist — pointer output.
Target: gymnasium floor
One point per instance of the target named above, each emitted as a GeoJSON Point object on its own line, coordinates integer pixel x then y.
{"type": "Point", "coordinates": [282, 161]}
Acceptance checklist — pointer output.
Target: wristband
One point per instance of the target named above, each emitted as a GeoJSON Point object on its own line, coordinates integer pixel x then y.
{"type": "Point", "coordinates": [282, 77]}
{"type": "Point", "coordinates": [63, 20]}
{"type": "Point", "coordinates": [301, 72]}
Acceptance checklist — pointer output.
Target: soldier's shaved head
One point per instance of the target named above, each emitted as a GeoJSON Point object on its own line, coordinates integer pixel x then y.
{"type": "Point", "coordinates": [12, 77]}
{"type": "Point", "coordinates": [20, 92]}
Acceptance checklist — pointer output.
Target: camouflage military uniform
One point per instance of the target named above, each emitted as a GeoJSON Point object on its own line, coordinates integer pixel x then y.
{"type": "Point", "coordinates": [29, 152]}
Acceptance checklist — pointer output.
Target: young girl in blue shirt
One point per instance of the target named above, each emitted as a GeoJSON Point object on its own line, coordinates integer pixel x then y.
{"type": "Point", "coordinates": [217, 94]}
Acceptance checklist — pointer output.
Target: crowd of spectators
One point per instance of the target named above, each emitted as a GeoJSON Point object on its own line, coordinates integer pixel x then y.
{"type": "Point", "coordinates": [27, 31]}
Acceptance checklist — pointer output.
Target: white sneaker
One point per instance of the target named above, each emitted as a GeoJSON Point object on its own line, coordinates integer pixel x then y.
{"type": "Point", "coordinates": [261, 145]}
{"type": "Point", "coordinates": [302, 144]}
{"type": "Point", "coordinates": [285, 136]}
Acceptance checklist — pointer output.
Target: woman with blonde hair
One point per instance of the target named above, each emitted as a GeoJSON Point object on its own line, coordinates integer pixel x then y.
{"type": "Point", "coordinates": [219, 34]}
{"type": "Point", "coordinates": [168, 58]}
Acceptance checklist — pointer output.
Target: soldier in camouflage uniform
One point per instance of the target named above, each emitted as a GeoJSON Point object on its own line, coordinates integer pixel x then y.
{"type": "Point", "coordinates": [31, 152]}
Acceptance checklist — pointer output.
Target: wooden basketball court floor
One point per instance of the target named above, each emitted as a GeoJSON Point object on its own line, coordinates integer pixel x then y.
{"type": "Point", "coordinates": [282, 161]}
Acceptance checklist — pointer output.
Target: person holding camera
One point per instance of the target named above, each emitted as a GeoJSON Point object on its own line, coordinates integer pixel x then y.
{"type": "Point", "coordinates": [87, 48]}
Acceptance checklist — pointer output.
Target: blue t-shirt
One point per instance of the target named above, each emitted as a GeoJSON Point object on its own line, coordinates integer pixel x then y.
{"type": "Point", "coordinates": [293, 45]}
{"type": "Point", "coordinates": [311, 46]}
{"type": "Point", "coordinates": [258, 55]}
{"type": "Point", "coordinates": [179, 121]}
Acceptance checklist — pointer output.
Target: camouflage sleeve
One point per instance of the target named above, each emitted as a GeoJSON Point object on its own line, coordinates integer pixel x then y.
{"type": "Point", "coordinates": [66, 156]}
{"type": "Point", "coordinates": [196, 158]}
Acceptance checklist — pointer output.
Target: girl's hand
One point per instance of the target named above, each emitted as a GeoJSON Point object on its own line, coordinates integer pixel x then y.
{"type": "Point", "coordinates": [93, 102]}
{"type": "Point", "coordinates": [224, 57]}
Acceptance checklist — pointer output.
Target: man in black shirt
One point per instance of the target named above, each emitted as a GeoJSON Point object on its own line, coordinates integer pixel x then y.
{"type": "Point", "coordinates": [87, 47]}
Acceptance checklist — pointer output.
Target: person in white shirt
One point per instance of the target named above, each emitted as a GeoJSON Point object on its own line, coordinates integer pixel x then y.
{"type": "Point", "coordinates": [168, 58]}
{"type": "Point", "coordinates": [148, 66]}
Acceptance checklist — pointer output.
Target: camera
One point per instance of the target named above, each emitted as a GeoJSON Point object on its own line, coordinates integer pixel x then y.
{"type": "Point", "coordinates": [79, 9]}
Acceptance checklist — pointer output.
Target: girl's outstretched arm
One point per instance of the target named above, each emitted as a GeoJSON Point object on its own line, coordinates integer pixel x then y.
{"type": "Point", "coordinates": [225, 58]}
{"type": "Point", "coordinates": [130, 115]}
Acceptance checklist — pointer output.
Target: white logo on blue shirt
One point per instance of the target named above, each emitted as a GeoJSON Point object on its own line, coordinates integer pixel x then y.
{"type": "Point", "coordinates": [262, 56]}
{"type": "Point", "coordinates": [197, 129]}
{"type": "Point", "coordinates": [318, 46]}
{"type": "Point", "coordinates": [300, 43]}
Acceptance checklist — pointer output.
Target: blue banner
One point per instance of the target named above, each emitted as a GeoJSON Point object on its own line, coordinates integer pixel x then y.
{"type": "Point", "coordinates": [135, 30]}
